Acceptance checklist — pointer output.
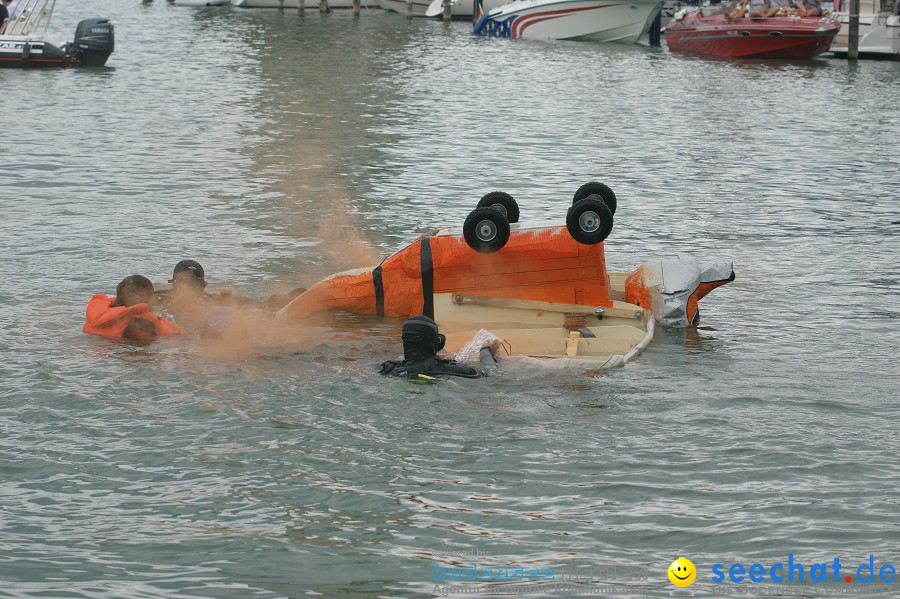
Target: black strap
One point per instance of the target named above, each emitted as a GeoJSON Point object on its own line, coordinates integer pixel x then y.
{"type": "Point", "coordinates": [427, 277]}
{"type": "Point", "coordinates": [379, 290]}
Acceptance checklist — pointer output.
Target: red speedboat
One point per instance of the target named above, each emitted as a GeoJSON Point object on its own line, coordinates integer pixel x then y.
{"type": "Point", "coordinates": [773, 37]}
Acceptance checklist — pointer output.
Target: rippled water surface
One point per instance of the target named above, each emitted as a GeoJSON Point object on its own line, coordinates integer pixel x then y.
{"type": "Point", "coordinates": [277, 149]}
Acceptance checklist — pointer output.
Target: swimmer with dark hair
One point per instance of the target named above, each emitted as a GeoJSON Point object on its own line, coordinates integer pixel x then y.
{"type": "Point", "coordinates": [128, 315]}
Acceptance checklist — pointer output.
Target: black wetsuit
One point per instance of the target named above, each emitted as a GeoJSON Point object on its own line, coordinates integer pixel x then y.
{"type": "Point", "coordinates": [430, 366]}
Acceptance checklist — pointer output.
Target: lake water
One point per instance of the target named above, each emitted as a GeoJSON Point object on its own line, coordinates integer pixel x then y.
{"type": "Point", "coordinates": [277, 149]}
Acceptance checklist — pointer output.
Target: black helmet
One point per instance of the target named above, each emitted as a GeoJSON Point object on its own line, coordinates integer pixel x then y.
{"type": "Point", "coordinates": [421, 338]}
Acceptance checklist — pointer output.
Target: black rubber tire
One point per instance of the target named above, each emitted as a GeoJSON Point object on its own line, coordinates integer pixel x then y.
{"type": "Point", "coordinates": [486, 230]}
{"type": "Point", "coordinates": [589, 220]}
{"type": "Point", "coordinates": [595, 188]}
{"type": "Point", "coordinates": [502, 201]}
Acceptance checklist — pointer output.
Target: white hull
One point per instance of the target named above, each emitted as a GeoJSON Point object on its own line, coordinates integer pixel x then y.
{"type": "Point", "coordinates": [308, 5]}
{"type": "Point", "coordinates": [201, 2]}
{"type": "Point", "coordinates": [418, 6]}
{"type": "Point", "coordinates": [587, 20]}
{"type": "Point", "coordinates": [879, 35]}
{"type": "Point", "coordinates": [461, 9]}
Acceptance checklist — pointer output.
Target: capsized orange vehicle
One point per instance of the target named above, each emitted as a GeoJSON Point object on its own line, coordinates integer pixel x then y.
{"type": "Point", "coordinates": [544, 291]}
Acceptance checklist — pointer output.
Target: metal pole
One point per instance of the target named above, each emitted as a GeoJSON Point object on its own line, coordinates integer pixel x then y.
{"type": "Point", "coordinates": [28, 21]}
{"type": "Point", "coordinates": [356, 8]}
{"type": "Point", "coordinates": [48, 12]}
{"type": "Point", "coordinates": [853, 41]}
{"type": "Point", "coordinates": [408, 9]}
{"type": "Point", "coordinates": [655, 30]}
{"type": "Point", "coordinates": [447, 10]}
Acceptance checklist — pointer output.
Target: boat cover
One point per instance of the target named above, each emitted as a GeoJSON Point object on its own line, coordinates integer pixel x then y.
{"type": "Point", "coordinates": [671, 287]}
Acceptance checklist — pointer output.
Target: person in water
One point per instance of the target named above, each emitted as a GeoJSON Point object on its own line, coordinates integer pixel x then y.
{"type": "Point", "coordinates": [188, 293]}
{"type": "Point", "coordinates": [421, 343]}
{"type": "Point", "coordinates": [128, 315]}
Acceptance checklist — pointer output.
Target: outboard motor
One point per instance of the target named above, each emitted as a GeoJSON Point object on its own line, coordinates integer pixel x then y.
{"type": "Point", "coordinates": [421, 338]}
{"type": "Point", "coordinates": [421, 343]}
{"type": "Point", "coordinates": [94, 42]}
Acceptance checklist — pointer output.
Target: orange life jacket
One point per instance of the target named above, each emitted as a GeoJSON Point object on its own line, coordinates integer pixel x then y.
{"type": "Point", "coordinates": [541, 264]}
{"type": "Point", "coordinates": [103, 319]}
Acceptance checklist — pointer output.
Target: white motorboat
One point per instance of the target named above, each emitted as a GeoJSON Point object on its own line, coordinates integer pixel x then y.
{"type": "Point", "coordinates": [586, 20]}
{"type": "Point", "coordinates": [308, 4]}
{"type": "Point", "coordinates": [23, 43]}
{"type": "Point", "coordinates": [879, 29]}
{"type": "Point", "coordinates": [418, 6]}
{"type": "Point", "coordinates": [461, 9]}
{"type": "Point", "coordinates": [201, 2]}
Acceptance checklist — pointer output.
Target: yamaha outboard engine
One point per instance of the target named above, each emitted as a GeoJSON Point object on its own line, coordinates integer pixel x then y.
{"type": "Point", "coordinates": [94, 42]}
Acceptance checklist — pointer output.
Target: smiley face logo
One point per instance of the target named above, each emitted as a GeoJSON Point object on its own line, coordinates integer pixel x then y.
{"type": "Point", "coordinates": [682, 572]}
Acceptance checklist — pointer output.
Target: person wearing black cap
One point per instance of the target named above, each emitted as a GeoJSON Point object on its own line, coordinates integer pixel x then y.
{"type": "Point", "coordinates": [421, 343]}
{"type": "Point", "coordinates": [188, 299]}
{"type": "Point", "coordinates": [188, 273]}
{"type": "Point", "coordinates": [188, 283]}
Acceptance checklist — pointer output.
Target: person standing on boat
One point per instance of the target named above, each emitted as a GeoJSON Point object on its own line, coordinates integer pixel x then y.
{"type": "Point", "coordinates": [13, 8]}
{"type": "Point", "coordinates": [4, 16]}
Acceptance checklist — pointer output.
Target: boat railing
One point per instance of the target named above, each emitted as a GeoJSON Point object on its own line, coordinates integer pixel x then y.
{"type": "Point", "coordinates": [34, 15]}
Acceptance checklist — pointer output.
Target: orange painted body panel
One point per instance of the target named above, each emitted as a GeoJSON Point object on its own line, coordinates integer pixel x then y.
{"type": "Point", "coordinates": [543, 264]}
{"type": "Point", "coordinates": [636, 292]}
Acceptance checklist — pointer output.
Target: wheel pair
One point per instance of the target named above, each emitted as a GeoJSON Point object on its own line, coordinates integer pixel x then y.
{"type": "Point", "coordinates": [590, 218]}
{"type": "Point", "coordinates": [486, 229]}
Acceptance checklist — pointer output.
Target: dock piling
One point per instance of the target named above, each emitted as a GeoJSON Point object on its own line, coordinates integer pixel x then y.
{"type": "Point", "coordinates": [655, 33]}
{"type": "Point", "coordinates": [355, 8]}
{"type": "Point", "coordinates": [409, 6]}
{"type": "Point", "coordinates": [446, 10]}
{"type": "Point", "coordinates": [853, 39]}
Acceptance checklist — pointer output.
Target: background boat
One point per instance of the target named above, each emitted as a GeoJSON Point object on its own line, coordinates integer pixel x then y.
{"type": "Point", "coordinates": [310, 5]}
{"type": "Point", "coordinates": [461, 9]}
{"type": "Point", "coordinates": [419, 7]}
{"type": "Point", "coordinates": [586, 20]}
{"type": "Point", "coordinates": [201, 2]}
{"type": "Point", "coordinates": [776, 37]}
{"type": "Point", "coordinates": [879, 29]}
